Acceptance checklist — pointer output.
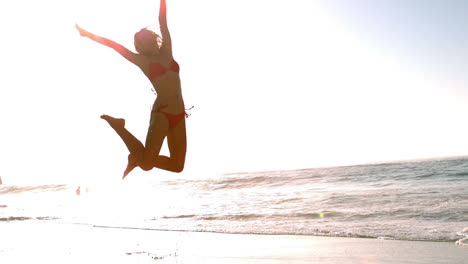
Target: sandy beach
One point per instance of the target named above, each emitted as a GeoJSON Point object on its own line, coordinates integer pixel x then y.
{"type": "Point", "coordinates": [23, 242]}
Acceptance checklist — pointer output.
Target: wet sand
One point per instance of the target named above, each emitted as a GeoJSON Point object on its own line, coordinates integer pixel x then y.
{"type": "Point", "coordinates": [45, 242]}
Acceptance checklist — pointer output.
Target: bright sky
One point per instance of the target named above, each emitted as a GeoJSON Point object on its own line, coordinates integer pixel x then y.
{"type": "Point", "coordinates": [275, 84]}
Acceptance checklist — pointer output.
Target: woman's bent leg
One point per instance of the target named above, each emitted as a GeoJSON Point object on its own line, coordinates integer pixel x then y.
{"type": "Point", "coordinates": [157, 131]}
{"type": "Point", "coordinates": [140, 155]}
{"type": "Point", "coordinates": [177, 143]}
{"type": "Point", "coordinates": [133, 144]}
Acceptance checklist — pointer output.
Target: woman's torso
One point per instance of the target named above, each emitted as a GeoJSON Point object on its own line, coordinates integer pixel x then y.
{"type": "Point", "coordinates": [164, 76]}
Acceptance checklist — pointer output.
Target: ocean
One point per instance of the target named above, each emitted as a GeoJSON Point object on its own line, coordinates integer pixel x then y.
{"type": "Point", "coordinates": [424, 200]}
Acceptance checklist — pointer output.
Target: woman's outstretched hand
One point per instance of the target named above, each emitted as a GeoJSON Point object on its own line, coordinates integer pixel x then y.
{"type": "Point", "coordinates": [83, 32]}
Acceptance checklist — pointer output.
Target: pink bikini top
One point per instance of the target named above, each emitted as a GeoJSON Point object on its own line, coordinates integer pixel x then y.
{"type": "Point", "coordinates": [156, 69]}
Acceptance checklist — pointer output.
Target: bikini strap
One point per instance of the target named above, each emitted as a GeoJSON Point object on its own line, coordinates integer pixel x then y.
{"type": "Point", "coordinates": [187, 114]}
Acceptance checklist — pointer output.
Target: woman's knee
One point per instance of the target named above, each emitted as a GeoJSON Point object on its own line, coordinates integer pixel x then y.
{"type": "Point", "coordinates": [179, 168]}
{"type": "Point", "coordinates": [169, 164]}
{"type": "Point", "coordinates": [146, 167]}
{"type": "Point", "coordinates": [147, 164]}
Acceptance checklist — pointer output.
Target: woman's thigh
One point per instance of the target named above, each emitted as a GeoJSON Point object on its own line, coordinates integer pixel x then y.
{"type": "Point", "coordinates": [177, 142]}
{"type": "Point", "coordinates": [157, 131]}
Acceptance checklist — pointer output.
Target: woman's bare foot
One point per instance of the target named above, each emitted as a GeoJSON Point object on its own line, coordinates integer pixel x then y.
{"type": "Point", "coordinates": [130, 166]}
{"type": "Point", "coordinates": [115, 123]}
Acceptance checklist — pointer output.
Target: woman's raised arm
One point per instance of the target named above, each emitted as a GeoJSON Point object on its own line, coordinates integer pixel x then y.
{"type": "Point", "coordinates": [127, 54]}
{"type": "Point", "coordinates": [166, 37]}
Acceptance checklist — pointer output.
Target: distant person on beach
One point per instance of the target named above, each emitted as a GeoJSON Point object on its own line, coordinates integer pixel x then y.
{"type": "Point", "coordinates": [154, 58]}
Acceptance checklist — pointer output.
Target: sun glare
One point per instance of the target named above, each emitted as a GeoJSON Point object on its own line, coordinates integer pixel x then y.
{"type": "Point", "coordinates": [332, 98]}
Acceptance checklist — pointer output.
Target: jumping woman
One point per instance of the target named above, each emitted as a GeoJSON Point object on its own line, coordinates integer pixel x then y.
{"type": "Point", "coordinates": [154, 58]}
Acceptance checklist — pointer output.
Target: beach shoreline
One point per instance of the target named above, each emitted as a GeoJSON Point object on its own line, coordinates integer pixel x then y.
{"type": "Point", "coordinates": [48, 242]}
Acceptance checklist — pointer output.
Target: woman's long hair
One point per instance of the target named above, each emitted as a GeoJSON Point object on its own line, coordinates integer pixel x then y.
{"type": "Point", "coordinates": [147, 42]}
